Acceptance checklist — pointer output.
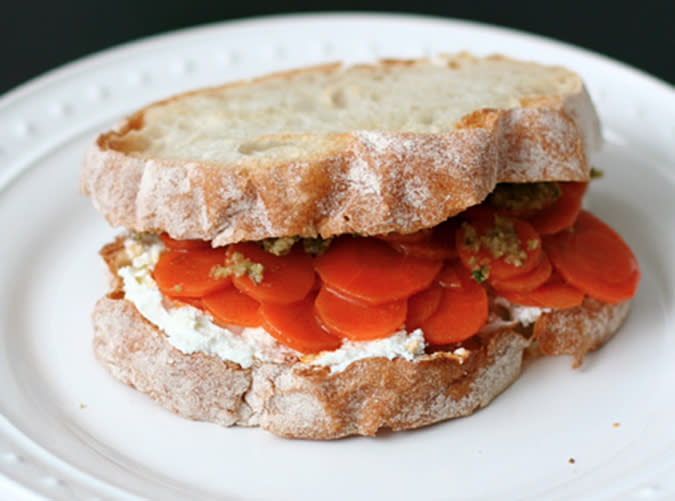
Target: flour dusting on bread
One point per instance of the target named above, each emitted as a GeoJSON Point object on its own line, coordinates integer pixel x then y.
{"type": "Point", "coordinates": [392, 150]}
{"type": "Point", "coordinates": [459, 131]}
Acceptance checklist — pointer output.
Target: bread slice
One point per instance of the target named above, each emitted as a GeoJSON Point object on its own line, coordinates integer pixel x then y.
{"type": "Point", "coordinates": [294, 399]}
{"type": "Point", "coordinates": [391, 147]}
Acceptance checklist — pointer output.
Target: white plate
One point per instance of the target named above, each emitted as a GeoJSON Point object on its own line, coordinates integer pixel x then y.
{"type": "Point", "coordinates": [69, 431]}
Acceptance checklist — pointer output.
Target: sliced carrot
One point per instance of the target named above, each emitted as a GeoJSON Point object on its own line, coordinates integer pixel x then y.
{"type": "Point", "coordinates": [429, 249]}
{"type": "Point", "coordinates": [232, 307]}
{"type": "Point", "coordinates": [317, 283]}
{"type": "Point", "coordinates": [406, 238]}
{"type": "Point", "coordinates": [554, 294]}
{"type": "Point", "coordinates": [563, 212]}
{"type": "Point", "coordinates": [426, 250]}
{"type": "Point", "coordinates": [286, 279]}
{"type": "Point", "coordinates": [438, 243]}
{"type": "Point", "coordinates": [592, 257]}
{"type": "Point", "coordinates": [190, 301]}
{"type": "Point", "coordinates": [187, 274]}
{"type": "Point", "coordinates": [369, 270]}
{"type": "Point", "coordinates": [460, 314]}
{"type": "Point", "coordinates": [422, 305]}
{"type": "Point", "coordinates": [528, 281]}
{"type": "Point", "coordinates": [448, 276]}
{"type": "Point", "coordinates": [295, 326]}
{"type": "Point", "coordinates": [358, 321]}
{"type": "Point", "coordinates": [474, 254]}
{"type": "Point", "coordinates": [184, 245]}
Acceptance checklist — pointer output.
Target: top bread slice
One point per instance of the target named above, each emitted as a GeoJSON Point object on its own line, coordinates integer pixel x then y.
{"type": "Point", "coordinates": [391, 147]}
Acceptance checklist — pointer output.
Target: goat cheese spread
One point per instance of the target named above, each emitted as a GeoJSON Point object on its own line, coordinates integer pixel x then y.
{"type": "Point", "coordinates": [525, 315]}
{"type": "Point", "coordinates": [190, 330]}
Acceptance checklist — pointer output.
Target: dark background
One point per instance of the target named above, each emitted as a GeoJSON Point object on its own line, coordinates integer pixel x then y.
{"type": "Point", "coordinates": [40, 35]}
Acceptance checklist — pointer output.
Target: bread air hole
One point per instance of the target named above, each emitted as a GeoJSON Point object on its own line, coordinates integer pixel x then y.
{"type": "Point", "coordinates": [426, 118]}
{"type": "Point", "coordinates": [338, 98]}
{"type": "Point", "coordinates": [253, 147]}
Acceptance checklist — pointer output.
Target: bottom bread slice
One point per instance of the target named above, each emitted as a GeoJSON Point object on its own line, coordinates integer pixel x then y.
{"type": "Point", "coordinates": [294, 399]}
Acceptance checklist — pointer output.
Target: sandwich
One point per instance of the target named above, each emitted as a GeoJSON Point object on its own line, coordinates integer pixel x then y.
{"type": "Point", "coordinates": [334, 251]}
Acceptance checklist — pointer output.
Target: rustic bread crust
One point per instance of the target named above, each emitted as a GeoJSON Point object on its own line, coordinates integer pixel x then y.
{"type": "Point", "coordinates": [293, 399]}
{"type": "Point", "coordinates": [296, 400]}
{"type": "Point", "coordinates": [579, 330]}
{"type": "Point", "coordinates": [360, 181]}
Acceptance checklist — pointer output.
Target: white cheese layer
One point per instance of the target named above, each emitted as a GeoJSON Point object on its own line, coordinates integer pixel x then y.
{"type": "Point", "coordinates": [525, 315]}
{"type": "Point", "coordinates": [190, 330]}
{"type": "Point", "coordinates": [400, 344]}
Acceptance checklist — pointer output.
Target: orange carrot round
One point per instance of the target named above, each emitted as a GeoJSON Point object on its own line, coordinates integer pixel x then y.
{"type": "Point", "coordinates": [592, 257]}
{"type": "Point", "coordinates": [475, 253]}
{"type": "Point", "coordinates": [232, 307]}
{"type": "Point", "coordinates": [358, 321]}
{"type": "Point", "coordinates": [438, 243]}
{"type": "Point", "coordinates": [295, 326]}
{"type": "Point", "coordinates": [425, 250]}
{"type": "Point", "coordinates": [188, 274]}
{"type": "Point", "coordinates": [563, 212]}
{"type": "Point", "coordinates": [527, 281]}
{"type": "Point", "coordinates": [448, 276]}
{"type": "Point", "coordinates": [461, 313]}
{"type": "Point", "coordinates": [370, 271]}
{"type": "Point", "coordinates": [185, 245]}
{"type": "Point", "coordinates": [422, 305]}
{"type": "Point", "coordinates": [190, 301]}
{"type": "Point", "coordinates": [285, 279]}
{"type": "Point", "coordinates": [418, 236]}
{"type": "Point", "coordinates": [556, 295]}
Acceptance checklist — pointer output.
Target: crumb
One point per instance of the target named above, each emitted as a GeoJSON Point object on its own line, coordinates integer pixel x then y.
{"type": "Point", "coordinates": [238, 266]}
{"type": "Point", "coordinates": [596, 173]}
{"type": "Point", "coordinates": [616, 425]}
{"type": "Point", "coordinates": [82, 406]}
{"type": "Point", "coordinates": [571, 461]}
{"type": "Point", "coordinates": [500, 240]}
{"type": "Point", "coordinates": [279, 246]}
